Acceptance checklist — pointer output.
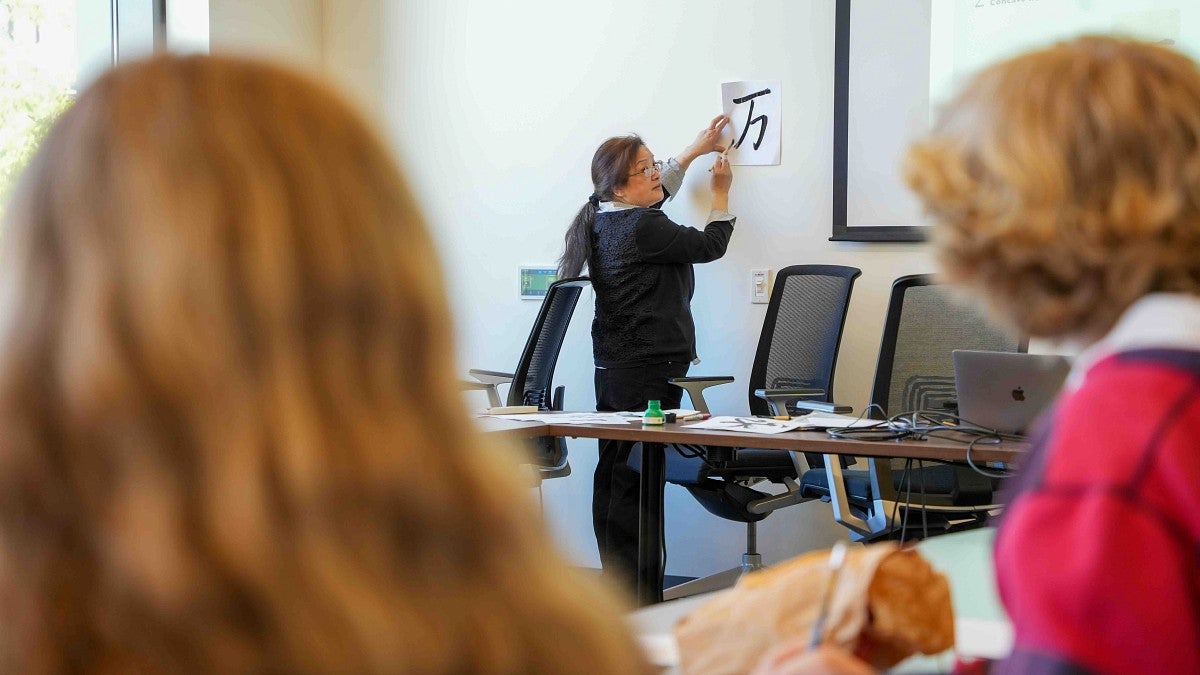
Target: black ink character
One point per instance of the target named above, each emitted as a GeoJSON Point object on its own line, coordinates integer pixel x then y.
{"type": "Point", "coordinates": [751, 119]}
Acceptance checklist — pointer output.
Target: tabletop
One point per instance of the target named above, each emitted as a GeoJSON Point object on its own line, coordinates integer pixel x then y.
{"type": "Point", "coordinates": [953, 447]}
{"type": "Point", "coordinates": [511, 429]}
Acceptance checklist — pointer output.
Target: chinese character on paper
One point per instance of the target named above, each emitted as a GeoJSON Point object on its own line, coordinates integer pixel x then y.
{"type": "Point", "coordinates": [753, 108]}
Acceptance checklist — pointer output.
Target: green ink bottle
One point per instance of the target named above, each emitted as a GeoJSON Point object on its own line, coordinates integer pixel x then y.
{"type": "Point", "coordinates": [654, 414]}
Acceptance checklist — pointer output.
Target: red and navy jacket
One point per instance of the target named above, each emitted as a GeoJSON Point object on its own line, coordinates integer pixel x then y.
{"type": "Point", "coordinates": [1098, 553]}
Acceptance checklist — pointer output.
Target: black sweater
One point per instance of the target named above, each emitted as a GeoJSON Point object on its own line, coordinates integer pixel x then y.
{"type": "Point", "coordinates": [641, 269]}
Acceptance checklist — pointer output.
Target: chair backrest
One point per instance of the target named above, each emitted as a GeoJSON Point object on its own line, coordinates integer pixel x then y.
{"type": "Point", "coordinates": [802, 331]}
{"type": "Point", "coordinates": [534, 376]}
{"type": "Point", "coordinates": [924, 325]}
{"type": "Point", "coordinates": [533, 380]}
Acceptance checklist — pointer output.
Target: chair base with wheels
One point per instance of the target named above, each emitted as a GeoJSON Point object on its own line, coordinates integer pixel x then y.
{"type": "Point", "coordinates": [725, 493]}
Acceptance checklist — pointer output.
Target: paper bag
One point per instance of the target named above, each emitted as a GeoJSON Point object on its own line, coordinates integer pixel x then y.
{"type": "Point", "coordinates": [887, 604]}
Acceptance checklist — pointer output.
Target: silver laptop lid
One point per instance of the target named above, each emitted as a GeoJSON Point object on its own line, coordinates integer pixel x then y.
{"type": "Point", "coordinates": [1005, 391]}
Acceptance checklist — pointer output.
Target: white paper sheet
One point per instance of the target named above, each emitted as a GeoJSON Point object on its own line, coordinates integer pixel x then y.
{"type": "Point", "coordinates": [679, 412]}
{"type": "Point", "coordinates": [755, 112]}
{"type": "Point", "coordinates": [754, 425]}
{"type": "Point", "coordinates": [573, 418]}
{"type": "Point", "coordinates": [583, 417]}
{"type": "Point", "coordinates": [827, 420]}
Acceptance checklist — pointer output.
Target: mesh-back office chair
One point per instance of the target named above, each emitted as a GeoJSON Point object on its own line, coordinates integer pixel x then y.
{"type": "Point", "coordinates": [793, 367]}
{"type": "Point", "coordinates": [532, 383]}
{"type": "Point", "coordinates": [915, 371]}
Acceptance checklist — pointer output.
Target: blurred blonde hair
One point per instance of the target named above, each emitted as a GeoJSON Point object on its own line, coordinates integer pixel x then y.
{"type": "Point", "coordinates": [1065, 183]}
{"type": "Point", "coordinates": [229, 435]}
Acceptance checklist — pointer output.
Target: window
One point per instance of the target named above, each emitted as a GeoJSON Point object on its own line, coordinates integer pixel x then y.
{"type": "Point", "coordinates": [51, 48]}
{"type": "Point", "coordinates": [38, 69]}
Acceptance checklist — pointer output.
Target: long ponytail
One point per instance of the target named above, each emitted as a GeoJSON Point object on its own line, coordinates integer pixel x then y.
{"type": "Point", "coordinates": [577, 244]}
{"type": "Point", "coordinates": [610, 170]}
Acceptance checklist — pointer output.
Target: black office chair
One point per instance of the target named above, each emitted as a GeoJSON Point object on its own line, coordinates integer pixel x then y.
{"type": "Point", "coordinates": [915, 371]}
{"type": "Point", "coordinates": [532, 383]}
{"type": "Point", "coordinates": [792, 374]}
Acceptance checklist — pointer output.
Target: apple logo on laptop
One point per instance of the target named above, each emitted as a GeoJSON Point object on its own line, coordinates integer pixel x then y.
{"type": "Point", "coordinates": [1018, 394]}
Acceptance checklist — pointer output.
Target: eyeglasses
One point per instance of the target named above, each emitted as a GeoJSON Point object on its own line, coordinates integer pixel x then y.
{"type": "Point", "coordinates": [655, 167]}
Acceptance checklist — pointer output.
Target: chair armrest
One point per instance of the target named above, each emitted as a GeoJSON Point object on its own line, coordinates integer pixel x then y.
{"type": "Point", "coordinates": [695, 386]}
{"type": "Point", "coordinates": [489, 380]}
{"type": "Point", "coordinates": [493, 392]}
{"type": "Point", "coordinates": [779, 398]}
{"type": "Point", "coordinates": [491, 376]}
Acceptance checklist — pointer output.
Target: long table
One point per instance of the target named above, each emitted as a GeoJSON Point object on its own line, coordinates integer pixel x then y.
{"type": "Point", "coordinates": [796, 441]}
{"type": "Point", "coordinates": [653, 479]}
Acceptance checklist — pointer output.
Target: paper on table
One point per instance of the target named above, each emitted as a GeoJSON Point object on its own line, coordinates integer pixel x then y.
{"type": "Point", "coordinates": [660, 649]}
{"type": "Point", "coordinates": [983, 638]}
{"type": "Point", "coordinates": [679, 412]}
{"type": "Point", "coordinates": [754, 425]}
{"type": "Point", "coordinates": [827, 420]}
{"type": "Point", "coordinates": [572, 418]}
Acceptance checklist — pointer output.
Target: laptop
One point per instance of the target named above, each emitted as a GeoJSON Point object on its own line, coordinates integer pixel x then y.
{"type": "Point", "coordinates": [1006, 391]}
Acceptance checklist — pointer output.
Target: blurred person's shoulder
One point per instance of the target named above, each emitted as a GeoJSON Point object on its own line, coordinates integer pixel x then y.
{"type": "Point", "coordinates": [1133, 424]}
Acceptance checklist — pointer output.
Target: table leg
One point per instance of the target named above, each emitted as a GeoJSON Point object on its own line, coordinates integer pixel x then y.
{"type": "Point", "coordinates": [650, 515]}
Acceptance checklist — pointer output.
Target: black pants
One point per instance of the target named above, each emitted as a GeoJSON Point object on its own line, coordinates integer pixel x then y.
{"type": "Point", "coordinates": [615, 487]}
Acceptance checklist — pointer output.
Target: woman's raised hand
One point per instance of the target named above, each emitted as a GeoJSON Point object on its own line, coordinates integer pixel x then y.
{"type": "Point", "coordinates": [709, 138]}
{"type": "Point", "coordinates": [722, 174]}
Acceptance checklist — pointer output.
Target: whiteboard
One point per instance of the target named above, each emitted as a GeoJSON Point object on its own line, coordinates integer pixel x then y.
{"type": "Point", "coordinates": [896, 61]}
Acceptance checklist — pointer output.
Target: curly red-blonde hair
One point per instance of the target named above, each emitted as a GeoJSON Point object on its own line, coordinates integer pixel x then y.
{"type": "Point", "coordinates": [1065, 183]}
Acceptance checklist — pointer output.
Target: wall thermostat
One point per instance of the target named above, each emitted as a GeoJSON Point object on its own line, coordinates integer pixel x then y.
{"type": "Point", "coordinates": [534, 282]}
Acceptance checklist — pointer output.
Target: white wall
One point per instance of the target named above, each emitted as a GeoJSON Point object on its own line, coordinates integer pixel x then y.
{"type": "Point", "coordinates": [352, 38]}
{"type": "Point", "coordinates": [288, 30]}
{"type": "Point", "coordinates": [496, 108]}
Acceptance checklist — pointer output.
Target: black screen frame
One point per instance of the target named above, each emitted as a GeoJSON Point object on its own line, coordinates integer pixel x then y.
{"type": "Point", "coordinates": [841, 124]}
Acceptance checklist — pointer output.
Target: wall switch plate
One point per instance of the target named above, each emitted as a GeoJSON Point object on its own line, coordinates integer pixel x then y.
{"type": "Point", "coordinates": [760, 286]}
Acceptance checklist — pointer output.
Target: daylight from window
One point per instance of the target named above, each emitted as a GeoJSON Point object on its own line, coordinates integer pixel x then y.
{"type": "Point", "coordinates": [37, 76]}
